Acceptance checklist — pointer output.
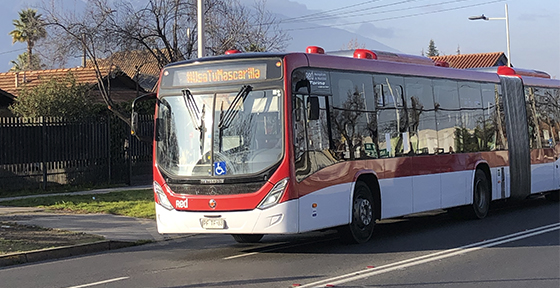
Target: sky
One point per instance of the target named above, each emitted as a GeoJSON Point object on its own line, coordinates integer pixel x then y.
{"type": "Point", "coordinates": [396, 25]}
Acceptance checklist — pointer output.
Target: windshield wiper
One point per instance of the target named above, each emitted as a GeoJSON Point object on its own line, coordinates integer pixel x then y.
{"type": "Point", "coordinates": [190, 103]}
{"type": "Point", "coordinates": [227, 117]}
{"type": "Point", "coordinates": [196, 115]}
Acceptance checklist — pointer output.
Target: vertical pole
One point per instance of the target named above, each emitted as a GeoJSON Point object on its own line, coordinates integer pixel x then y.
{"type": "Point", "coordinates": [507, 36]}
{"type": "Point", "coordinates": [128, 155]}
{"type": "Point", "coordinates": [200, 25]}
{"type": "Point", "coordinates": [44, 151]}
{"type": "Point", "coordinates": [109, 148]}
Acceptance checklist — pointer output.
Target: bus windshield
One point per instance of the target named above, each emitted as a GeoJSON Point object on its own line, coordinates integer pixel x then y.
{"type": "Point", "coordinates": [221, 134]}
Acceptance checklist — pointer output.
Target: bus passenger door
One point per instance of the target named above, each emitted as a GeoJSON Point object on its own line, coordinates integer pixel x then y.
{"type": "Point", "coordinates": [398, 189]}
{"type": "Point", "coordinates": [319, 206]}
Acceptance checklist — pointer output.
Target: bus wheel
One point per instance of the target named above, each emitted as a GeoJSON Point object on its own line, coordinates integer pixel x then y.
{"type": "Point", "coordinates": [481, 196]}
{"type": "Point", "coordinates": [553, 196]}
{"type": "Point", "coordinates": [247, 238]}
{"type": "Point", "coordinates": [363, 216]}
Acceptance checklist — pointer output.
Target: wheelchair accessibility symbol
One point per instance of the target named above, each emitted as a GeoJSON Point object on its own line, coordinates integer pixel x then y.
{"type": "Point", "coordinates": [220, 168]}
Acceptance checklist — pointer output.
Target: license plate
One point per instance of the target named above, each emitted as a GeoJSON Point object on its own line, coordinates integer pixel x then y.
{"type": "Point", "coordinates": [212, 223]}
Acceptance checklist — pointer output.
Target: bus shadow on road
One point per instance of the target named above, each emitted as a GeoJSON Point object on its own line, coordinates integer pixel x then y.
{"type": "Point", "coordinates": [436, 230]}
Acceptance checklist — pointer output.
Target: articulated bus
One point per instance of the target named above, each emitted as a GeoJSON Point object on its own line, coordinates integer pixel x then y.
{"type": "Point", "coordinates": [250, 144]}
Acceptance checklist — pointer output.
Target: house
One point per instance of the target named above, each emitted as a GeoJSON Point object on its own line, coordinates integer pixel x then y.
{"type": "Point", "coordinates": [139, 65]}
{"type": "Point", "coordinates": [478, 60]}
{"type": "Point", "coordinates": [121, 87]}
{"type": "Point", "coordinates": [6, 99]}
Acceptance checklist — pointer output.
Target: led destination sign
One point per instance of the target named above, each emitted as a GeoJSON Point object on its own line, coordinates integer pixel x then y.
{"type": "Point", "coordinates": [226, 75]}
{"type": "Point", "coordinates": [219, 74]}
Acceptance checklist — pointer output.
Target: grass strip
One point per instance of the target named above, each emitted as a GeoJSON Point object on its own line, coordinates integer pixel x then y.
{"type": "Point", "coordinates": [133, 203]}
{"type": "Point", "coordinates": [54, 189]}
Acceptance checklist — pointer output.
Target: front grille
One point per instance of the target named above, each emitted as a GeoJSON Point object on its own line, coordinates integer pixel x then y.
{"type": "Point", "coordinates": [216, 189]}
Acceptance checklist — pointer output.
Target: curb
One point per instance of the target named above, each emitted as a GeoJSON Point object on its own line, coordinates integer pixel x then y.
{"type": "Point", "coordinates": [62, 252]}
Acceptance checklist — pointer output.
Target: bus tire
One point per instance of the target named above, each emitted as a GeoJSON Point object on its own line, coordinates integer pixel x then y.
{"type": "Point", "coordinates": [481, 196]}
{"type": "Point", "coordinates": [553, 196]}
{"type": "Point", "coordinates": [363, 216]}
{"type": "Point", "coordinates": [247, 238]}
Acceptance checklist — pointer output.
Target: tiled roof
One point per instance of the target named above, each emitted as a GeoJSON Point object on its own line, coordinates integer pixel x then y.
{"type": "Point", "coordinates": [131, 61]}
{"type": "Point", "coordinates": [464, 61]}
{"type": "Point", "coordinates": [122, 87]}
{"type": "Point", "coordinates": [12, 82]}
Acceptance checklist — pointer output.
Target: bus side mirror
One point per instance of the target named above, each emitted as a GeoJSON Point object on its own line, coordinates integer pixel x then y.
{"type": "Point", "coordinates": [313, 108]}
{"type": "Point", "coordinates": [134, 119]}
{"type": "Point", "coordinates": [304, 83]}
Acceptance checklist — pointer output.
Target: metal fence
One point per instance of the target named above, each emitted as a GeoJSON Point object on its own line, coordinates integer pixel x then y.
{"type": "Point", "coordinates": [46, 151]}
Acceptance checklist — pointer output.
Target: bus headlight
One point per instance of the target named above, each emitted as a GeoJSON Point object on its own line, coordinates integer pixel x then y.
{"type": "Point", "coordinates": [274, 195]}
{"type": "Point", "coordinates": [161, 197]}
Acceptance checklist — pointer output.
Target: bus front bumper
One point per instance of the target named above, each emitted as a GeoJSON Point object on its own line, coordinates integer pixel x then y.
{"type": "Point", "coordinates": [279, 219]}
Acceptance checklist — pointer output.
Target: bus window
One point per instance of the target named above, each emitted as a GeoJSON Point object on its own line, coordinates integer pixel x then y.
{"type": "Point", "coordinates": [533, 95]}
{"type": "Point", "coordinates": [494, 121]}
{"type": "Point", "coordinates": [353, 118]}
{"type": "Point", "coordinates": [471, 134]}
{"type": "Point", "coordinates": [392, 116]}
{"type": "Point", "coordinates": [423, 135]}
{"type": "Point", "coordinates": [448, 115]}
{"type": "Point", "coordinates": [553, 113]}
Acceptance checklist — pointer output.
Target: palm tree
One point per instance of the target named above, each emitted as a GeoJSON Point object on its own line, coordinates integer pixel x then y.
{"type": "Point", "coordinates": [29, 28]}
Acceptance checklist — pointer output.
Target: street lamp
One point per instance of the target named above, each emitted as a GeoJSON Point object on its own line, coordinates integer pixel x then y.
{"type": "Point", "coordinates": [482, 17]}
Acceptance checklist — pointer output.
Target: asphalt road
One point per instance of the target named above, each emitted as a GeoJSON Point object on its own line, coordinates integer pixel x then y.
{"type": "Point", "coordinates": [515, 246]}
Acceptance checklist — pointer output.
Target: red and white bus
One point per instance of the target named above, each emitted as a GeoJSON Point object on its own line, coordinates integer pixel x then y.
{"type": "Point", "coordinates": [250, 144]}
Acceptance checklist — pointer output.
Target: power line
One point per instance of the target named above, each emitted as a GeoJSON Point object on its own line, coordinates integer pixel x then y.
{"type": "Point", "coordinates": [11, 51]}
{"type": "Point", "coordinates": [392, 10]}
{"type": "Point", "coordinates": [330, 16]}
{"type": "Point", "coordinates": [396, 17]}
{"type": "Point", "coordinates": [327, 11]}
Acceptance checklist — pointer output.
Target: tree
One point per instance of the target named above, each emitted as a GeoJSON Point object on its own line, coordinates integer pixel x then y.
{"type": "Point", "coordinates": [165, 29]}
{"type": "Point", "coordinates": [353, 44]}
{"type": "Point", "coordinates": [234, 26]}
{"type": "Point", "coordinates": [432, 49]}
{"type": "Point", "coordinates": [57, 97]}
{"type": "Point", "coordinates": [89, 33]}
{"type": "Point", "coordinates": [29, 28]}
{"type": "Point", "coordinates": [21, 63]}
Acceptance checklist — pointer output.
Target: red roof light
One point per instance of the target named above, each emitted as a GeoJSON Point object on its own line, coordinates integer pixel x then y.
{"type": "Point", "coordinates": [314, 50]}
{"type": "Point", "coordinates": [233, 51]}
{"type": "Point", "coordinates": [364, 54]}
{"type": "Point", "coordinates": [505, 70]}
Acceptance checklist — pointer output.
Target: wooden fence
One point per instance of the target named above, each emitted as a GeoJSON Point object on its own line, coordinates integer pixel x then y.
{"type": "Point", "coordinates": [44, 151]}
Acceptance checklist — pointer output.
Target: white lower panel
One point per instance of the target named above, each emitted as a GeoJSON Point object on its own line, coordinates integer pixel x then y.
{"type": "Point", "coordinates": [542, 177]}
{"type": "Point", "coordinates": [396, 197]}
{"type": "Point", "coordinates": [333, 206]}
{"type": "Point", "coordinates": [408, 195]}
{"type": "Point", "coordinates": [427, 192]}
{"type": "Point", "coordinates": [279, 219]}
{"type": "Point", "coordinates": [457, 188]}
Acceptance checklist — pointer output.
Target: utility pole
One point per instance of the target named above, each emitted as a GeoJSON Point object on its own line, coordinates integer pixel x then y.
{"type": "Point", "coordinates": [201, 40]}
{"type": "Point", "coordinates": [482, 17]}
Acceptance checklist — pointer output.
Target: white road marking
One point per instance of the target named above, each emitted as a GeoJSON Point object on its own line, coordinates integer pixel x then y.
{"type": "Point", "coordinates": [100, 282]}
{"type": "Point", "coordinates": [432, 257]}
{"type": "Point", "coordinates": [241, 255]}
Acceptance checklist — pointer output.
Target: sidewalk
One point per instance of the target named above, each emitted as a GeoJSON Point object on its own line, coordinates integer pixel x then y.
{"type": "Point", "coordinates": [119, 231]}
